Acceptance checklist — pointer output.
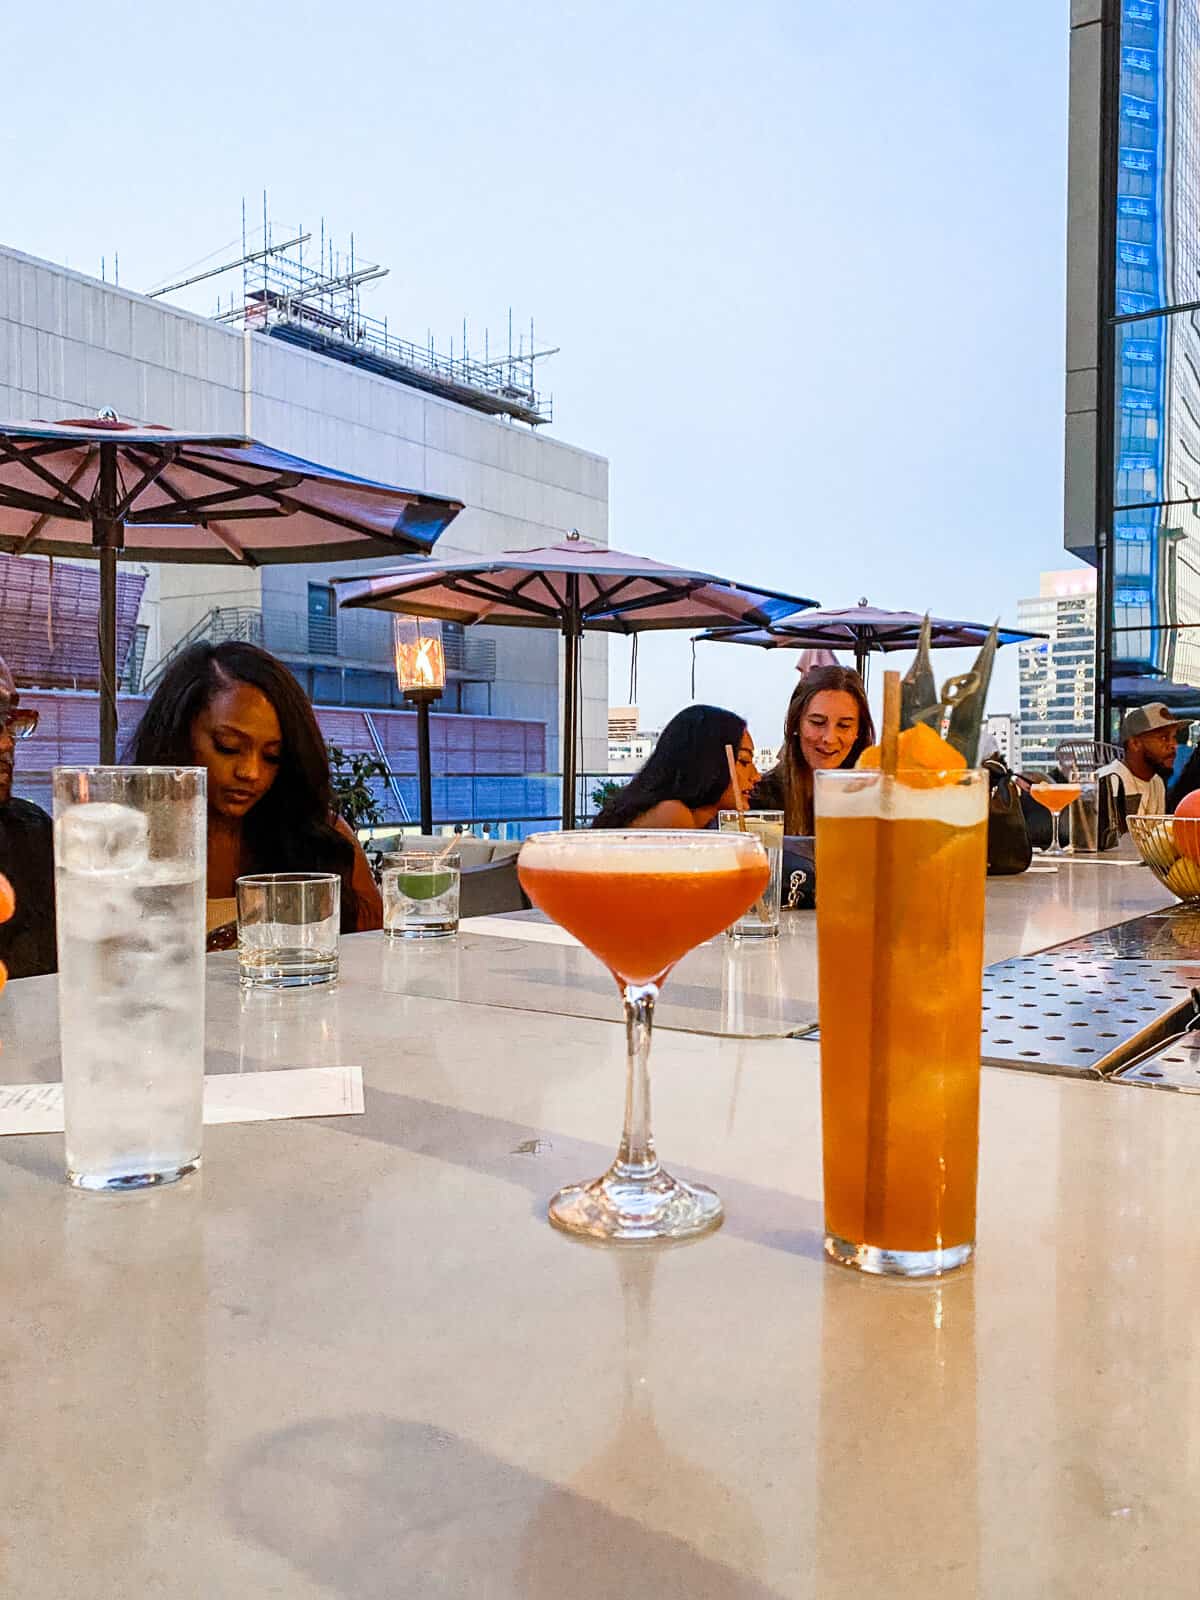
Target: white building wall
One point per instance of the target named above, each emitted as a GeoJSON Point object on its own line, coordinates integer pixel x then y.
{"type": "Point", "coordinates": [70, 345]}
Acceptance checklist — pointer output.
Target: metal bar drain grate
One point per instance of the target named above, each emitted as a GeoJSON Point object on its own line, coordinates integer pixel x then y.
{"type": "Point", "coordinates": [1062, 1013]}
{"type": "Point", "coordinates": [1175, 1066]}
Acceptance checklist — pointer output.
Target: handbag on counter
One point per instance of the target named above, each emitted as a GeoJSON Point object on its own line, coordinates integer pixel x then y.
{"type": "Point", "coordinates": [1009, 849]}
{"type": "Point", "coordinates": [799, 889]}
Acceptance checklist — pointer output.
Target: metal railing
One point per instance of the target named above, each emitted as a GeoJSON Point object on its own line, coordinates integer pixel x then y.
{"type": "Point", "coordinates": [517, 801]}
{"type": "Point", "coordinates": [351, 636]}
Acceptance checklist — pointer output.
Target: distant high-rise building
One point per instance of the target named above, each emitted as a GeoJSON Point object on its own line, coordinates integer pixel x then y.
{"type": "Point", "coordinates": [1057, 673]}
{"type": "Point", "coordinates": [630, 755]}
{"type": "Point", "coordinates": [1002, 727]}
{"type": "Point", "coordinates": [1132, 497]}
{"type": "Point", "coordinates": [622, 722]}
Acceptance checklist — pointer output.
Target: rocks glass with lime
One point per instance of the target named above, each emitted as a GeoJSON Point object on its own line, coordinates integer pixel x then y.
{"type": "Point", "coordinates": [420, 895]}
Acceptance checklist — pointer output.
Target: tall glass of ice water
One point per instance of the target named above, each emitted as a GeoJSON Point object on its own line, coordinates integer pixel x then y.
{"type": "Point", "coordinates": [130, 860]}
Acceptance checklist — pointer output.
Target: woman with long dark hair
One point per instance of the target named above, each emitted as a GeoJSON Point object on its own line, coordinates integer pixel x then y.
{"type": "Point", "coordinates": [828, 724]}
{"type": "Point", "coordinates": [239, 712]}
{"type": "Point", "coordinates": [686, 780]}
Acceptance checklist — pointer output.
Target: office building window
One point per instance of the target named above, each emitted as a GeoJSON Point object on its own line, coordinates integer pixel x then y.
{"type": "Point", "coordinates": [322, 620]}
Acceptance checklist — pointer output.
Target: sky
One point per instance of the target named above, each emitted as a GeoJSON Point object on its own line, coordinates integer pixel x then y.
{"type": "Point", "coordinates": [804, 260]}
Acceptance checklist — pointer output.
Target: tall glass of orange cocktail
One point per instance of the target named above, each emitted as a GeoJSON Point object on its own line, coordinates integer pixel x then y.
{"type": "Point", "coordinates": [901, 867]}
{"type": "Point", "coordinates": [639, 902]}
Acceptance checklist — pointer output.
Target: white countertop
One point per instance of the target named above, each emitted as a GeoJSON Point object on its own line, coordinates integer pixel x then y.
{"type": "Point", "coordinates": [350, 1358]}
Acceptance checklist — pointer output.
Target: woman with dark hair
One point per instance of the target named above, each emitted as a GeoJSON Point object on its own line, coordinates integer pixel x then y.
{"type": "Point", "coordinates": [828, 724]}
{"type": "Point", "coordinates": [236, 710]}
{"type": "Point", "coordinates": [686, 780]}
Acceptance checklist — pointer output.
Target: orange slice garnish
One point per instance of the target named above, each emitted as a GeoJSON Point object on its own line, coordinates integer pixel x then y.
{"type": "Point", "coordinates": [923, 760]}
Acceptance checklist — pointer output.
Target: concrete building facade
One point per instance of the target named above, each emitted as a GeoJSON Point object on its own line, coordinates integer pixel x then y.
{"type": "Point", "coordinates": [70, 345]}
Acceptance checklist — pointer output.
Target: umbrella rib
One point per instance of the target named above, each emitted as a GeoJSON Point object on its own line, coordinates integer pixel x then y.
{"type": "Point", "coordinates": [231, 544]}
{"type": "Point", "coordinates": [32, 536]}
{"type": "Point", "coordinates": [480, 589]}
{"type": "Point", "coordinates": [235, 491]}
{"type": "Point", "coordinates": [53, 447]}
{"type": "Point", "coordinates": [61, 486]}
{"type": "Point", "coordinates": [23, 500]}
{"type": "Point", "coordinates": [289, 504]}
{"type": "Point", "coordinates": [150, 473]}
{"type": "Point", "coordinates": [556, 599]}
{"type": "Point", "coordinates": [666, 593]}
{"type": "Point", "coordinates": [610, 594]}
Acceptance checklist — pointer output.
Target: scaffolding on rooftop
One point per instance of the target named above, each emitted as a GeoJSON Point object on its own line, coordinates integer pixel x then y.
{"type": "Point", "coordinates": [314, 301]}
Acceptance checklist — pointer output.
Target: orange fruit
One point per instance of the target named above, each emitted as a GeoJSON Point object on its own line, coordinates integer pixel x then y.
{"type": "Point", "coordinates": [923, 758]}
{"type": "Point", "coordinates": [8, 904]}
{"type": "Point", "coordinates": [1186, 828]}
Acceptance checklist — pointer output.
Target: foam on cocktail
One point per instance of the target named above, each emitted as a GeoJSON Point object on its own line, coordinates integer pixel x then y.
{"type": "Point", "coordinates": [655, 853]}
{"type": "Point", "coordinates": [956, 804]}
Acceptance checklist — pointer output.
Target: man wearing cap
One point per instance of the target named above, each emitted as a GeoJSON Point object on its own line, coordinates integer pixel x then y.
{"type": "Point", "coordinates": [27, 943]}
{"type": "Point", "coordinates": [1149, 734]}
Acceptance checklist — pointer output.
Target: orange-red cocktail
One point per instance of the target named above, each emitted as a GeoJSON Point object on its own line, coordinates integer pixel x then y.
{"type": "Point", "coordinates": [640, 920]}
{"type": "Point", "coordinates": [640, 901]}
{"type": "Point", "coordinates": [1056, 797]}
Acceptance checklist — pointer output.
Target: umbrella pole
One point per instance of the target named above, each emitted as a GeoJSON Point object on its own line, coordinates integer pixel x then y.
{"type": "Point", "coordinates": [108, 536]}
{"type": "Point", "coordinates": [572, 631]}
{"type": "Point", "coordinates": [424, 763]}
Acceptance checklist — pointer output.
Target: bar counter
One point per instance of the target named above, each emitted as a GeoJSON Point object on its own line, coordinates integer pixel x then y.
{"type": "Point", "coordinates": [350, 1357]}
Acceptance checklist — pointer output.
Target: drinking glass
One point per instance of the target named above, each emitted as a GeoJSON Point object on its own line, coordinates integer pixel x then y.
{"type": "Point", "coordinates": [761, 920]}
{"type": "Point", "coordinates": [130, 861]}
{"type": "Point", "coordinates": [1056, 797]}
{"type": "Point", "coordinates": [420, 895]}
{"type": "Point", "coordinates": [288, 925]}
{"type": "Point", "coordinates": [640, 902]}
{"type": "Point", "coordinates": [901, 868]}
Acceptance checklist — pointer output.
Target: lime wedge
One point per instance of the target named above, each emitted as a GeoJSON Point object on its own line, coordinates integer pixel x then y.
{"type": "Point", "coordinates": [424, 885]}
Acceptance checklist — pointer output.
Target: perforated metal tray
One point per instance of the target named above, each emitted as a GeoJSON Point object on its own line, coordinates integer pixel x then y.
{"type": "Point", "coordinates": [1174, 1065]}
{"type": "Point", "coordinates": [1063, 1013]}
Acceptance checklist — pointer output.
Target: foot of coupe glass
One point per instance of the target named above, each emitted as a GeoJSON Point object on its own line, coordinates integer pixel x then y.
{"type": "Point", "coordinates": [617, 1207]}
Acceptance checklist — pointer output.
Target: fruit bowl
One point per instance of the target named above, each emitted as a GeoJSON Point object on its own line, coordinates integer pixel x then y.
{"type": "Point", "coordinates": [1170, 847]}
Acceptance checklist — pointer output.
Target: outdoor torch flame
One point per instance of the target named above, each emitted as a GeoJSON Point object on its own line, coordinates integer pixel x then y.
{"type": "Point", "coordinates": [420, 664]}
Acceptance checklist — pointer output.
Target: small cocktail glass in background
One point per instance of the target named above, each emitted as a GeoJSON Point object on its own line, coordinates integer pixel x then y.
{"type": "Point", "coordinates": [1056, 797]}
{"type": "Point", "coordinates": [760, 920]}
{"type": "Point", "coordinates": [129, 857]}
{"type": "Point", "coordinates": [288, 927]}
{"type": "Point", "coordinates": [640, 902]}
{"type": "Point", "coordinates": [420, 895]}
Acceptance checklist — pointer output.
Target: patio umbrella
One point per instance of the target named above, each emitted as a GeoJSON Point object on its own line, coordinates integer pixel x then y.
{"type": "Point", "coordinates": [864, 628]}
{"type": "Point", "coordinates": [572, 587]}
{"type": "Point", "coordinates": [106, 488]}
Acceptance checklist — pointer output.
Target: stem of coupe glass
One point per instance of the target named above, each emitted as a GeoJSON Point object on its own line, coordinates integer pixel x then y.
{"type": "Point", "coordinates": [636, 1158]}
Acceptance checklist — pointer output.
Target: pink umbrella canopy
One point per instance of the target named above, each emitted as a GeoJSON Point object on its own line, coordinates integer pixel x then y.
{"type": "Point", "coordinates": [543, 588]}
{"type": "Point", "coordinates": [110, 489]}
{"type": "Point", "coordinates": [572, 587]}
{"type": "Point", "coordinates": [864, 629]}
{"type": "Point", "coordinates": [195, 497]}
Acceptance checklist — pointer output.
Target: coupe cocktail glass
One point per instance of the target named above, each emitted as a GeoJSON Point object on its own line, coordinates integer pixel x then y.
{"type": "Point", "coordinates": [639, 902]}
{"type": "Point", "coordinates": [1056, 797]}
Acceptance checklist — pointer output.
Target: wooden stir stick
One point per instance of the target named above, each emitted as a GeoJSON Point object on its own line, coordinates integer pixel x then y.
{"type": "Point", "coordinates": [875, 1198]}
